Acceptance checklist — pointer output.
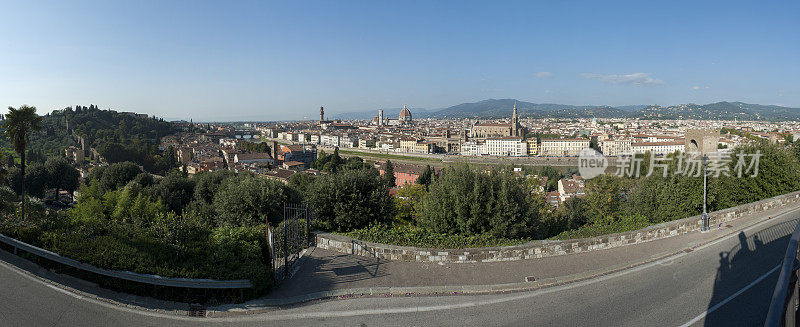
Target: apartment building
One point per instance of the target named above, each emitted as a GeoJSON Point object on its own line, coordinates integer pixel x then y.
{"type": "Point", "coordinates": [616, 147]}
{"type": "Point", "coordinates": [658, 148]}
{"type": "Point", "coordinates": [562, 147]}
{"type": "Point", "coordinates": [407, 144]}
{"type": "Point", "coordinates": [474, 148]}
{"type": "Point", "coordinates": [423, 147]}
{"type": "Point", "coordinates": [506, 146]}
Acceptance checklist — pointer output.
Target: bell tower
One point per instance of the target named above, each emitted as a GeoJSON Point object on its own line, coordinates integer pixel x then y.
{"type": "Point", "coordinates": [515, 122]}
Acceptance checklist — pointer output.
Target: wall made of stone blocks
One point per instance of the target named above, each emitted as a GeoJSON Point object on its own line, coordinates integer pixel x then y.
{"type": "Point", "coordinates": [547, 248]}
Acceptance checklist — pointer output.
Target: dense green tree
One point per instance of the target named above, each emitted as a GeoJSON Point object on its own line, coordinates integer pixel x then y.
{"type": "Point", "coordinates": [388, 174]}
{"type": "Point", "coordinates": [117, 175]}
{"type": "Point", "coordinates": [249, 201]}
{"type": "Point", "coordinates": [301, 182]}
{"type": "Point", "coordinates": [62, 175]}
{"type": "Point", "coordinates": [468, 202]}
{"type": "Point", "coordinates": [144, 179]}
{"type": "Point", "coordinates": [604, 196]}
{"type": "Point", "coordinates": [175, 191]}
{"type": "Point", "coordinates": [407, 202]}
{"type": "Point", "coordinates": [322, 159]}
{"type": "Point", "coordinates": [207, 184]}
{"type": "Point", "coordinates": [350, 199]}
{"type": "Point", "coordinates": [355, 163]}
{"type": "Point", "coordinates": [593, 144]}
{"type": "Point", "coordinates": [574, 211]}
{"type": "Point", "coordinates": [426, 178]}
{"type": "Point", "coordinates": [552, 175]}
{"type": "Point", "coordinates": [572, 214]}
{"type": "Point", "coordinates": [36, 180]}
{"type": "Point", "coordinates": [19, 123]}
{"type": "Point", "coordinates": [262, 147]}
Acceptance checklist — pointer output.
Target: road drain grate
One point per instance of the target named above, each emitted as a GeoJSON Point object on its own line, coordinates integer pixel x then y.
{"type": "Point", "coordinates": [197, 310]}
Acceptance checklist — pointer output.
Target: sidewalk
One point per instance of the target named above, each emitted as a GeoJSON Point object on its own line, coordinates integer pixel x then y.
{"type": "Point", "coordinates": [326, 274]}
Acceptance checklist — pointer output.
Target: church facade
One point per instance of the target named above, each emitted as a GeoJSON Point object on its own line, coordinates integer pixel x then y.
{"type": "Point", "coordinates": [485, 130]}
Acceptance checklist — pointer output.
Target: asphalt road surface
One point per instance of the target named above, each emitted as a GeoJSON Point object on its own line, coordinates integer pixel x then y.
{"type": "Point", "coordinates": [724, 283]}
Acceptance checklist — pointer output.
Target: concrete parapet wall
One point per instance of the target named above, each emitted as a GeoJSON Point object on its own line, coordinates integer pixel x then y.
{"type": "Point", "coordinates": [546, 248]}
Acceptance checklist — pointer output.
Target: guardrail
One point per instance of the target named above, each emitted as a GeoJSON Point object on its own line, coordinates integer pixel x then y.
{"type": "Point", "coordinates": [127, 275]}
{"type": "Point", "coordinates": [783, 307]}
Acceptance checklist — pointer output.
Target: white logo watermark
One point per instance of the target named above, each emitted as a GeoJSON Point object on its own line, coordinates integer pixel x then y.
{"type": "Point", "coordinates": [592, 164]}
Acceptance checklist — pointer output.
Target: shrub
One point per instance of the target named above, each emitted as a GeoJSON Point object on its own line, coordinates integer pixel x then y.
{"type": "Point", "coordinates": [410, 235]}
{"type": "Point", "coordinates": [466, 201]}
{"type": "Point", "coordinates": [350, 199]}
{"type": "Point", "coordinates": [248, 201]}
{"type": "Point", "coordinates": [603, 227]}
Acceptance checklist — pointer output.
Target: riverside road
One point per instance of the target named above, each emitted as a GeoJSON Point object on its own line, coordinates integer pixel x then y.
{"type": "Point", "coordinates": [726, 282]}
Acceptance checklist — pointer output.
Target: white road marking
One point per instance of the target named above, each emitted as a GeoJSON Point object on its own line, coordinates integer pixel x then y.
{"type": "Point", "coordinates": [271, 316]}
{"type": "Point", "coordinates": [728, 299]}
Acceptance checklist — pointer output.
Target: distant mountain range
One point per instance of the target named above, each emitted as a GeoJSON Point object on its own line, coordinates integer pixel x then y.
{"type": "Point", "coordinates": [497, 108]}
{"type": "Point", "coordinates": [720, 110]}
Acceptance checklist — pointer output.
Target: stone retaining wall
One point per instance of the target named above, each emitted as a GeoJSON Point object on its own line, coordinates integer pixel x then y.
{"type": "Point", "coordinates": [546, 248]}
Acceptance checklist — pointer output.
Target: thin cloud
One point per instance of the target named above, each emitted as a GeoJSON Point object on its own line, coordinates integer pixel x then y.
{"type": "Point", "coordinates": [636, 79]}
{"type": "Point", "coordinates": [543, 74]}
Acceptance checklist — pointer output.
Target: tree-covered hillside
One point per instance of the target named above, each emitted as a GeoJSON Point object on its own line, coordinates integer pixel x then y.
{"type": "Point", "coordinates": [117, 136]}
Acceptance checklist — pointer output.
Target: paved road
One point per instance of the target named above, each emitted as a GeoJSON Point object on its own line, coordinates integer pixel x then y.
{"type": "Point", "coordinates": [732, 278]}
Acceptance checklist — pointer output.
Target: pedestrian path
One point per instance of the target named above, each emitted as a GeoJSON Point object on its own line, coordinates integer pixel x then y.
{"type": "Point", "coordinates": [324, 271]}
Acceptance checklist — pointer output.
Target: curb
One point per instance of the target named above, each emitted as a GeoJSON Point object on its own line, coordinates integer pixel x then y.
{"type": "Point", "coordinates": [267, 305]}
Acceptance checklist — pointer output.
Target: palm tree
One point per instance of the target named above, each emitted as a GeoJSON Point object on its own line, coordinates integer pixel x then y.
{"type": "Point", "coordinates": [18, 123]}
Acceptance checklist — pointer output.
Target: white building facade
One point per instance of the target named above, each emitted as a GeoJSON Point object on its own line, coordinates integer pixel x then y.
{"type": "Point", "coordinates": [562, 147]}
{"type": "Point", "coordinates": [506, 146]}
{"type": "Point", "coordinates": [657, 148]}
{"type": "Point", "coordinates": [473, 148]}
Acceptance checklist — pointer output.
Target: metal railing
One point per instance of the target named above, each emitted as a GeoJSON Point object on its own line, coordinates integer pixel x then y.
{"type": "Point", "coordinates": [784, 304]}
{"type": "Point", "coordinates": [289, 239]}
{"type": "Point", "coordinates": [127, 275]}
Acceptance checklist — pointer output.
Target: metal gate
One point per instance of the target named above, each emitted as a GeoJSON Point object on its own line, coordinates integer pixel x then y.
{"type": "Point", "coordinates": [288, 239]}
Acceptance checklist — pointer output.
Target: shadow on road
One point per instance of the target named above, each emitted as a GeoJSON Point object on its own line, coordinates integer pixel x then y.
{"type": "Point", "coordinates": [327, 271]}
{"type": "Point", "coordinates": [754, 256]}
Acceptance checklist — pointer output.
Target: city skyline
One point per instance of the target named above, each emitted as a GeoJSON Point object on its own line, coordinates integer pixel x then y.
{"type": "Point", "coordinates": [280, 61]}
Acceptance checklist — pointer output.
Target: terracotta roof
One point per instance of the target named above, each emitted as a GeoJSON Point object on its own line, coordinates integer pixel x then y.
{"type": "Point", "coordinates": [252, 156]}
{"type": "Point", "coordinates": [405, 112]}
{"type": "Point", "coordinates": [493, 124]}
{"type": "Point", "coordinates": [292, 148]}
{"type": "Point", "coordinates": [505, 138]}
{"type": "Point", "coordinates": [280, 173]}
{"type": "Point", "coordinates": [293, 163]}
{"type": "Point", "coordinates": [564, 140]}
{"type": "Point", "coordinates": [657, 143]}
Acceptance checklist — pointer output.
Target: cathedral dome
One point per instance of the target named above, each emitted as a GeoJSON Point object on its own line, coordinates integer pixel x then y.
{"type": "Point", "coordinates": [405, 114]}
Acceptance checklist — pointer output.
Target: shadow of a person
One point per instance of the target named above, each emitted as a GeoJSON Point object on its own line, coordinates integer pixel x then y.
{"type": "Point", "coordinates": [745, 246]}
{"type": "Point", "coordinates": [724, 265]}
{"type": "Point", "coordinates": [758, 243]}
{"type": "Point", "coordinates": [738, 268]}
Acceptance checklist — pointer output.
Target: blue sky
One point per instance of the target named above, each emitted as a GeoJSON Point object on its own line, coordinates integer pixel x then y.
{"type": "Point", "coordinates": [282, 60]}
